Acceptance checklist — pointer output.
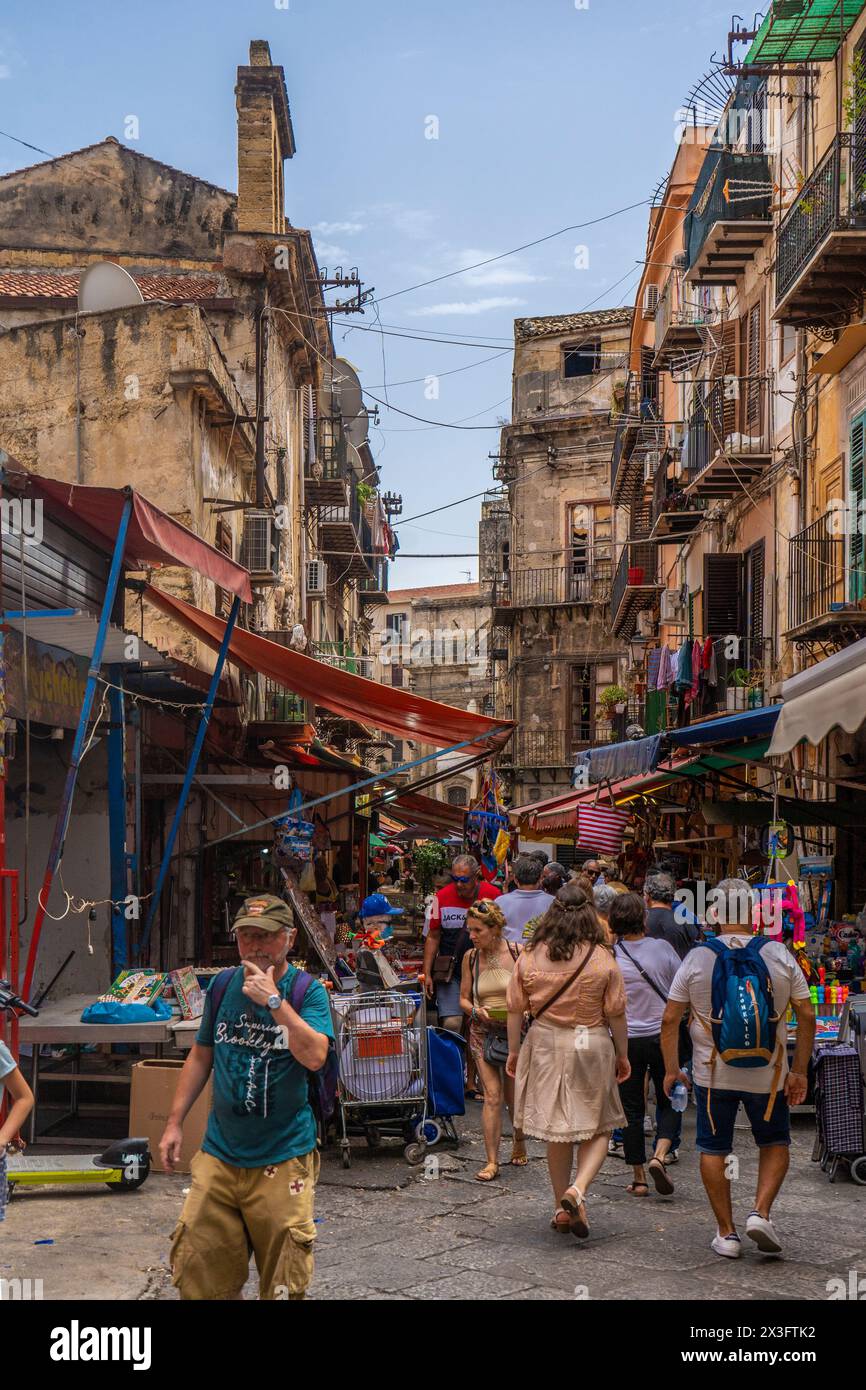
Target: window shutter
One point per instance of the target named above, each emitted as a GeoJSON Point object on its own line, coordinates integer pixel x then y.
{"type": "Point", "coordinates": [752, 412]}
{"type": "Point", "coordinates": [754, 594]}
{"type": "Point", "coordinates": [855, 501]}
{"type": "Point", "coordinates": [723, 587]}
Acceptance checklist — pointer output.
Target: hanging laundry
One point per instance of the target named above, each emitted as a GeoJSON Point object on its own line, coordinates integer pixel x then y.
{"type": "Point", "coordinates": [653, 662]}
{"type": "Point", "coordinates": [684, 666]}
{"type": "Point", "coordinates": [708, 662]}
{"type": "Point", "coordinates": [667, 668]}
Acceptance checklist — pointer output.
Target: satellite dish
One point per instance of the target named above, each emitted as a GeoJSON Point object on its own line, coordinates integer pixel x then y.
{"type": "Point", "coordinates": [347, 388]}
{"type": "Point", "coordinates": [107, 286]}
{"type": "Point", "coordinates": [358, 428]}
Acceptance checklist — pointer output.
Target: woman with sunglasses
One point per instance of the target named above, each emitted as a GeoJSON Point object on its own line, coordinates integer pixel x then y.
{"type": "Point", "coordinates": [447, 940]}
{"type": "Point", "coordinates": [486, 971]}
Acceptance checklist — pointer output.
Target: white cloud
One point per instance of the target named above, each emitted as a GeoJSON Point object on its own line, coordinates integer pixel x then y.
{"type": "Point", "coordinates": [338, 228]}
{"type": "Point", "coordinates": [471, 306]}
{"type": "Point", "coordinates": [501, 274]}
{"type": "Point", "coordinates": [327, 252]}
{"type": "Point", "coordinates": [5, 70]}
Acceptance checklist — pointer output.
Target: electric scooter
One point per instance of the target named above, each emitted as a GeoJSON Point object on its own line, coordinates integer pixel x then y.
{"type": "Point", "coordinates": [123, 1166]}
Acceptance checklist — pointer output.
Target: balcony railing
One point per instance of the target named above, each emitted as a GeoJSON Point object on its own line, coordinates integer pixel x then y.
{"type": "Point", "coordinates": [822, 225]}
{"type": "Point", "coordinates": [733, 190]}
{"type": "Point", "coordinates": [341, 655]}
{"type": "Point", "coordinates": [727, 439]}
{"type": "Point", "coordinates": [679, 318]}
{"type": "Point", "coordinates": [674, 513]}
{"type": "Point", "coordinates": [374, 588]}
{"type": "Point", "coordinates": [537, 748]}
{"type": "Point", "coordinates": [585, 580]}
{"type": "Point", "coordinates": [345, 535]}
{"type": "Point", "coordinates": [816, 572]}
{"type": "Point", "coordinates": [276, 705]}
{"type": "Point", "coordinates": [326, 465]}
{"type": "Point", "coordinates": [633, 585]}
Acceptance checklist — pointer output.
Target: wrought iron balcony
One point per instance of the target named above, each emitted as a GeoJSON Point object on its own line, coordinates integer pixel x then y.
{"type": "Point", "coordinates": [341, 655]}
{"type": "Point", "coordinates": [344, 535]}
{"type": "Point", "coordinates": [680, 316]}
{"type": "Point", "coordinates": [821, 589]}
{"type": "Point", "coordinates": [727, 442]}
{"type": "Point", "coordinates": [674, 514]}
{"type": "Point", "coordinates": [553, 748]}
{"type": "Point", "coordinates": [374, 588]}
{"type": "Point", "coordinates": [634, 586]}
{"type": "Point", "coordinates": [326, 466]}
{"type": "Point", "coordinates": [638, 431]}
{"type": "Point", "coordinates": [820, 260]}
{"type": "Point", "coordinates": [729, 216]}
{"type": "Point", "coordinates": [276, 705]}
{"type": "Point", "coordinates": [586, 579]}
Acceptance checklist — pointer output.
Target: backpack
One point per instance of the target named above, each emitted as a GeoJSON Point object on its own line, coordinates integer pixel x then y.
{"type": "Point", "coordinates": [743, 1018]}
{"type": "Point", "coordinates": [321, 1084]}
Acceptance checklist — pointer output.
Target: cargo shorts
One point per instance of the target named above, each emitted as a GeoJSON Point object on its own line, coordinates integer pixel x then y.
{"type": "Point", "coordinates": [231, 1213]}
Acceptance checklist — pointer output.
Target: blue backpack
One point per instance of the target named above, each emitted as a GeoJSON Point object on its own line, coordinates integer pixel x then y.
{"type": "Point", "coordinates": [743, 1019]}
{"type": "Point", "coordinates": [321, 1084]}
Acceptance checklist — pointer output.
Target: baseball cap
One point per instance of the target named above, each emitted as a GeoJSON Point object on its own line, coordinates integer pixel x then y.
{"type": "Point", "coordinates": [377, 905]}
{"type": "Point", "coordinates": [266, 912]}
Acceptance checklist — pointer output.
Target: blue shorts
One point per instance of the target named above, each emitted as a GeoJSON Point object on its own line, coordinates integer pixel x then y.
{"type": "Point", "coordinates": [723, 1107]}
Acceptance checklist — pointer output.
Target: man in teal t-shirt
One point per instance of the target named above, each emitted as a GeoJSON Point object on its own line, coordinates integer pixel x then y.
{"type": "Point", "coordinates": [254, 1179]}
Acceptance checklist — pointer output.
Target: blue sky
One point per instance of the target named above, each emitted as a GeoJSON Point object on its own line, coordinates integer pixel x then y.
{"type": "Point", "coordinates": [548, 115]}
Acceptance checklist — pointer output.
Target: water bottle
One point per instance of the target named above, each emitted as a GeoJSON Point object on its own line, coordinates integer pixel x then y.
{"type": "Point", "coordinates": [679, 1096]}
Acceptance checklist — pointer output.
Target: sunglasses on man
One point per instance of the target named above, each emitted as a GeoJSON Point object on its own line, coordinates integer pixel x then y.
{"type": "Point", "coordinates": [463, 878]}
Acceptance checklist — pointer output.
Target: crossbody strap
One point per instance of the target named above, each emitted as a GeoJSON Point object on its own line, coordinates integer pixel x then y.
{"type": "Point", "coordinates": [649, 979]}
{"type": "Point", "coordinates": [570, 981]}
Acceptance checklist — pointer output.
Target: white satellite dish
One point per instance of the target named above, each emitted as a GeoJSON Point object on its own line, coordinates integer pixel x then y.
{"type": "Point", "coordinates": [347, 388]}
{"type": "Point", "coordinates": [107, 286]}
{"type": "Point", "coordinates": [358, 428]}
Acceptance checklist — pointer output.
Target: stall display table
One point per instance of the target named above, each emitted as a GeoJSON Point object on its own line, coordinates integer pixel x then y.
{"type": "Point", "coordinates": [60, 1025]}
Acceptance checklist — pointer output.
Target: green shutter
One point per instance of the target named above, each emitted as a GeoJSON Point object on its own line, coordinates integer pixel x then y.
{"type": "Point", "coordinates": [857, 578]}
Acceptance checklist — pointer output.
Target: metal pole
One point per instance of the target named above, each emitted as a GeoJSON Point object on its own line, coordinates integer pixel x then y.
{"type": "Point", "coordinates": [190, 774]}
{"type": "Point", "coordinates": [62, 822]}
{"type": "Point", "coordinates": [117, 821]}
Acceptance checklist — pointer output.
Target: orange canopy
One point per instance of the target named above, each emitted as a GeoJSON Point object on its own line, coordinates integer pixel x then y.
{"type": "Point", "coordinates": [353, 697]}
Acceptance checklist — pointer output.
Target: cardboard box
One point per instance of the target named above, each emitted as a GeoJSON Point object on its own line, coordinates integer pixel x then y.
{"type": "Point", "coordinates": [154, 1082]}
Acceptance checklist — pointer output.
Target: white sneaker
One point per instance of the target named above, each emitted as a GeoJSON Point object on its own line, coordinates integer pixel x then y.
{"type": "Point", "coordinates": [760, 1229]}
{"type": "Point", "coordinates": [729, 1246]}
{"type": "Point", "coordinates": [648, 1126]}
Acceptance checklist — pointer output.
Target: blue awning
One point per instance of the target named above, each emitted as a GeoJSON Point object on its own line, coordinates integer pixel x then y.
{"type": "Point", "coordinates": [612, 762]}
{"type": "Point", "coordinates": [752, 723]}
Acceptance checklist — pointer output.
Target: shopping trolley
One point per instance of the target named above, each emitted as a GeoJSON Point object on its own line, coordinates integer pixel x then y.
{"type": "Point", "coordinates": [840, 1138]}
{"type": "Point", "coordinates": [382, 1052]}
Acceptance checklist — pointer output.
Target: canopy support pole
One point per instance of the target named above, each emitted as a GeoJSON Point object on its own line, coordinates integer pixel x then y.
{"type": "Point", "coordinates": [117, 821]}
{"type": "Point", "coordinates": [55, 853]}
{"type": "Point", "coordinates": [190, 776]}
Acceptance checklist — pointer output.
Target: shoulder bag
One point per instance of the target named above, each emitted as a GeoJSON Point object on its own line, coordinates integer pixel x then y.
{"type": "Point", "coordinates": [495, 1049]}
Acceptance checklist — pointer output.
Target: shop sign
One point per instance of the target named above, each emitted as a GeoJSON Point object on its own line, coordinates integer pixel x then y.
{"type": "Point", "coordinates": [55, 682]}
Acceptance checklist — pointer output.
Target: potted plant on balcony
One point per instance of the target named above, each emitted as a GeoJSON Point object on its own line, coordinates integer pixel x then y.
{"type": "Point", "coordinates": [613, 700]}
{"type": "Point", "coordinates": [745, 689]}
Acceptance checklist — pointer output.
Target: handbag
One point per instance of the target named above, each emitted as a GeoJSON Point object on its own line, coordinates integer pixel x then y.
{"type": "Point", "coordinates": [495, 1046]}
{"type": "Point", "coordinates": [442, 972]}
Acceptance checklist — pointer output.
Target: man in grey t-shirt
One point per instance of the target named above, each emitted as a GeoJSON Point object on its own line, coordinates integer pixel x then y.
{"type": "Point", "coordinates": [528, 899]}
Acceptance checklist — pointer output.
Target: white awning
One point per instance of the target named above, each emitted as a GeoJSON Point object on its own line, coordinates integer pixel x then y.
{"type": "Point", "coordinates": [76, 633]}
{"type": "Point", "coordinates": [830, 695]}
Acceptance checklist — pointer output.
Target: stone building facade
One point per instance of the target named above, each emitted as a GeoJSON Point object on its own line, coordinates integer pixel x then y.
{"type": "Point", "coordinates": [553, 650]}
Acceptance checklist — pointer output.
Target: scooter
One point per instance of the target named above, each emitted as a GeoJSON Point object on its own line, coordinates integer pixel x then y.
{"type": "Point", "coordinates": [123, 1166]}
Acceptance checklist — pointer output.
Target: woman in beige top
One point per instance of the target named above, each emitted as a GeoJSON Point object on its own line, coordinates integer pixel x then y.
{"type": "Point", "coordinates": [486, 971]}
{"type": "Point", "coordinates": [575, 1054]}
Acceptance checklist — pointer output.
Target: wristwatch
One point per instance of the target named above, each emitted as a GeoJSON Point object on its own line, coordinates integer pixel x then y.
{"type": "Point", "coordinates": [274, 1001]}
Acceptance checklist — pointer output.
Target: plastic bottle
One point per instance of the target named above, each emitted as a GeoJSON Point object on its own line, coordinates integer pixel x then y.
{"type": "Point", "coordinates": [679, 1096]}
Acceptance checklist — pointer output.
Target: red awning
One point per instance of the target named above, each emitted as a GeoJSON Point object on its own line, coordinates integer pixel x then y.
{"type": "Point", "coordinates": [153, 538]}
{"type": "Point", "coordinates": [354, 697]}
{"type": "Point", "coordinates": [410, 807]}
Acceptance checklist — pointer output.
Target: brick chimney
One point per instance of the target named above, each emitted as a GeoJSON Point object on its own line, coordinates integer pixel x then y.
{"type": "Point", "coordinates": [265, 140]}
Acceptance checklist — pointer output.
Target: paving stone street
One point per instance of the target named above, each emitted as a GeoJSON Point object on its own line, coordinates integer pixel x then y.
{"type": "Point", "coordinates": [386, 1232]}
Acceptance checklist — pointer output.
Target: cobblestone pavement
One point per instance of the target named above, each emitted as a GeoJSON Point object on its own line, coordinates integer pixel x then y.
{"type": "Point", "coordinates": [386, 1232]}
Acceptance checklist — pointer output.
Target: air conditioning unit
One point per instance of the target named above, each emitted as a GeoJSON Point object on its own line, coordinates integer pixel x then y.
{"type": "Point", "coordinates": [259, 548]}
{"type": "Point", "coordinates": [671, 606]}
{"type": "Point", "coordinates": [681, 261]}
{"type": "Point", "coordinates": [317, 579]}
{"type": "Point", "coordinates": [652, 459]}
{"type": "Point", "coordinates": [650, 301]}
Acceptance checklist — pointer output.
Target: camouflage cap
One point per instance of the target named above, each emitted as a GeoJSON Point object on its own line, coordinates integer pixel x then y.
{"type": "Point", "coordinates": [265, 911]}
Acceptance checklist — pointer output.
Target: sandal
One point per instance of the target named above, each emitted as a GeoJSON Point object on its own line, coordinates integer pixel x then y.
{"type": "Point", "coordinates": [573, 1202]}
{"type": "Point", "coordinates": [488, 1173]}
{"type": "Point", "coordinates": [659, 1175]}
{"type": "Point", "coordinates": [632, 1189]}
{"type": "Point", "coordinates": [561, 1223]}
{"type": "Point", "coordinates": [519, 1159]}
